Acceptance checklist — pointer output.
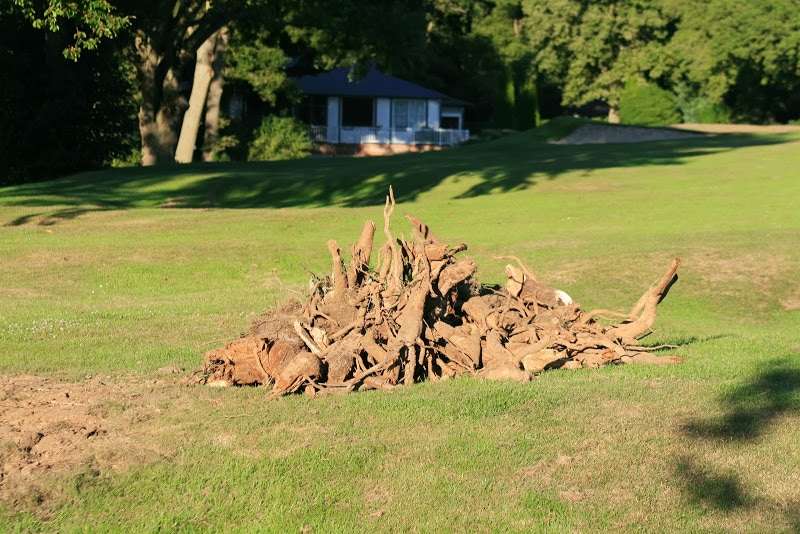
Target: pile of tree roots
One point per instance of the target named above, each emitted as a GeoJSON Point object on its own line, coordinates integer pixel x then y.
{"type": "Point", "coordinates": [422, 315]}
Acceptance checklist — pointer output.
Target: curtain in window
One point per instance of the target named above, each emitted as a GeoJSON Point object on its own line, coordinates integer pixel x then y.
{"type": "Point", "coordinates": [409, 113]}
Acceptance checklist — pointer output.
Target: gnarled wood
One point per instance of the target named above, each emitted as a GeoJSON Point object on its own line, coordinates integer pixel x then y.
{"type": "Point", "coordinates": [423, 316]}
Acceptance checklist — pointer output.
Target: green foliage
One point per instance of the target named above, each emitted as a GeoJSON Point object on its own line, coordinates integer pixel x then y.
{"type": "Point", "coordinates": [516, 99]}
{"type": "Point", "coordinates": [132, 158]}
{"type": "Point", "coordinates": [551, 456]}
{"type": "Point", "coordinates": [746, 54]}
{"type": "Point", "coordinates": [733, 60]}
{"type": "Point", "coordinates": [229, 140]}
{"type": "Point", "coordinates": [503, 116]}
{"type": "Point", "coordinates": [58, 116]}
{"type": "Point", "coordinates": [259, 63]}
{"type": "Point", "coordinates": [390, 33]}
{"type": "Point", "coordinates": [90, 21]}
{"type": "Point", "coordinates": [516, 104]}
{"type": "Point", "coordinates": [526, 104]}
{"type": "Point", "coordinates": [647, 104]}
{"type": "Point", "coordinates": [279, 138]}
{"type": "Point", "coordinates": [703, 110]}
{"type": "Point", "coordinates": [594, 47]}
{"type": "Point", "coordinates": [462, 62]}
{"type": "Point", "coordinates": [743, 54]}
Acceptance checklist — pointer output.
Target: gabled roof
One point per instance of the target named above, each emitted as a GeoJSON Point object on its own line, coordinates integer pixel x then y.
{"type": "Point", "coordinates": [374, 83]}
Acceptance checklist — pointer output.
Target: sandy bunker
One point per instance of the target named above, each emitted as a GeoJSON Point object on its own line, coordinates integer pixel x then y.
{"type": "Point", "coordinates": [594, 134]}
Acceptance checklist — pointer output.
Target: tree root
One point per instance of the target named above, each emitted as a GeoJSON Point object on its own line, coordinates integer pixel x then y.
{"type": "Point", "coordinates": [422, 315]}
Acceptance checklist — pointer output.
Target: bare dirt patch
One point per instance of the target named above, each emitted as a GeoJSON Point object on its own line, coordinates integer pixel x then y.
{"type": "Point", "coordinates": [727, 274]}
{"type": "Point", "coordinates": [21, 293]}
{"type": "Point", "coordinates": [51, 428]}
{"type": "Point", "coordinates": [544, 470]}
{"type": "Point", "coordinates": [792, 302]}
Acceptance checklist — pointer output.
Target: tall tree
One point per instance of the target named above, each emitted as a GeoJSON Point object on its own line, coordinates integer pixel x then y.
{"type": "Point", "coordinates": [201, 82]}
{"type": "Point", "coordinates": [504, 23]}
{"type": "Point", "coordinates": [212, 125]}
{"type": "Point", "coordinates": [58, 115]}
{"type": "Point", "coordinates": [91, 21]}
{"type": "Point", "coordinates": [594, 47]}
{"type": "Point", "coordinates": [168, 36]}
{"type": "Point", "coordinates": [461, 61]}
{"type": "Point", "coordinates": [745, 54]}
{"type": "Point", "coordinates": [390, 33]}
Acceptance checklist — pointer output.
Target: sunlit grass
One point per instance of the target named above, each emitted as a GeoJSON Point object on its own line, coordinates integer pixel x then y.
{"type": "Point", "coordinates": [96, 278]}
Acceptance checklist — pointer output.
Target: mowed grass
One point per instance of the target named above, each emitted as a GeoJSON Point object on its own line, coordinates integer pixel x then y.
{"type": "Point", "coordinates": [126, 271]}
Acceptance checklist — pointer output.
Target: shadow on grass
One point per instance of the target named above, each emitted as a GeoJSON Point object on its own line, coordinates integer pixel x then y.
{"type": "Point", "coordinates": [720, 490]}
{"type": "Point", "coordinates": [750, 410]}
{"type": "Point", "coordinates": [753, 407]}
{"type": "Point", "coordinates": [49, 218]}
{"type": "Point", "coordinates": [669, 344]}
{"type": "Point", "coordinates": [512, 163]}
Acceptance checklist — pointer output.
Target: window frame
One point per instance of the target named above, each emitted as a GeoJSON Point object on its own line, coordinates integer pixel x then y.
{"type": "Point", "coordinates": [342, 119]}
{"type": "Point", "coordinates": [407, 101]}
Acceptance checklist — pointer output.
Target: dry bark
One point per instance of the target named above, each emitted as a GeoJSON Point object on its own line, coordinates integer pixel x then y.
{"type": "Point", "coordinates": [203, 72]}
{"type": "Point", "coordinates": [214, 98]}
{"type": "Point", "coordinates": [166, 37]}
{"type": "Point", "coordinates": [160, 103]}
{"type": "Point", "coordinates": [422, 315]}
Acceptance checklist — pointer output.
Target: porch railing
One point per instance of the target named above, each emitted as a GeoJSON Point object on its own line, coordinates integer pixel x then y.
{"type": "Point", "coordinates": [374, 135]}
{"type": "Point", "coordinates": [319, 134]}
{"type": "Point", "coordinates": [440, 136]}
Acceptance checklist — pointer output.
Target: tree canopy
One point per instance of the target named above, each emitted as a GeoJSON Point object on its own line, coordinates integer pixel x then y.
{"type": "Point", "coordinates": [91, 21]}
{"type": "Point", "coordinates": [515, 61]}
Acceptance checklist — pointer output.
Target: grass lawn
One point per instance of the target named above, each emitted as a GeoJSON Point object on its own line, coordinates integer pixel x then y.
{"type": "Point", "coordinates": [119, 273]}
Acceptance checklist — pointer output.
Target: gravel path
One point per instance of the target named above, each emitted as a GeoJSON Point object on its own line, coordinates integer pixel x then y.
{"type": "Point", "coordinates": [600, 133]}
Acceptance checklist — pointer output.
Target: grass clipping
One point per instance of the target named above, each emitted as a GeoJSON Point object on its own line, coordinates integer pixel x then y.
{"type": "Point", "coordinates": [421, 315]}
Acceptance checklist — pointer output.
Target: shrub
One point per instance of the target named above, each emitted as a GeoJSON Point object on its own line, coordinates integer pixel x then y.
{"type": "Point", "coordinates": [702, 110]}
{"type": "Point", "coordinates": [649, 105]}
{"type": "Point", "coordinates": [279, 138]}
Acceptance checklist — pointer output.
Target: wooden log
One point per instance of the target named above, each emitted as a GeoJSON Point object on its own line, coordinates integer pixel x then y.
{"type": "Point", "coordinates": [362, 251]}
{"type": "Point", "coordinates": [646, 307]}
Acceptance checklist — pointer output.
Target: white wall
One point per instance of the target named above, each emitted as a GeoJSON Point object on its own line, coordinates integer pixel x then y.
{"type": "Point", "coordinates": [433, 113]}
{"type": "Point", "coordinates": [383, 113]}
{"type": "Point", "coordinates": [333, 119]}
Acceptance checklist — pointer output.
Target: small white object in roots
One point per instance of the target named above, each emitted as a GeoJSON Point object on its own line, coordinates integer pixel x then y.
{"type": "Point", "coordinates": [563, 297]}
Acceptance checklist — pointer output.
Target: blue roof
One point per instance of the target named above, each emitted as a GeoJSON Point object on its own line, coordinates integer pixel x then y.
{"type": "Point", "coordinates": [373, 84]}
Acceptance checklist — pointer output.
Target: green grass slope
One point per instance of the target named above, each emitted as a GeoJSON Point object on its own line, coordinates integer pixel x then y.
{"type": "Point", "coordinates": [125, 271]}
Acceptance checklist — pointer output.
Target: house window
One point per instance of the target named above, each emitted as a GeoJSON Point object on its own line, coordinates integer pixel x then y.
{"type": "Point", "coordinates": [357, 111]}
{"type": "Point", "coordinates": [409, 113]}
{"type": "Point", "coordinates": [317, 110]}
{"type": "Point", "coordinates": [448, 122]}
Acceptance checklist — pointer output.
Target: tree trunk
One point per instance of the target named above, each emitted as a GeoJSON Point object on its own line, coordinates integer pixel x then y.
{"type": "Point", "coordinates": [203, 72]}
{"type": "Point", "coordinates": [157, 130]}
{"type": "Point", "coordinates": [159, 106]}
{"type": "Point", "coordinates": [146, 73]}
{"type": "Point", "coordinates": [211, 132]}
{"type": "Point", "coordinates": [613, 114]}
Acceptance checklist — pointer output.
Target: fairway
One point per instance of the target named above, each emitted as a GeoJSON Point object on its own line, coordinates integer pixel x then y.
{"type": "Point", "coordinates": [106, 278]}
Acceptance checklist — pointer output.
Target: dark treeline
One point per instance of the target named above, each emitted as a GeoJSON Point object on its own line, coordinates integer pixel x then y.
{"type": "Point", "coordinates": [101, 82]}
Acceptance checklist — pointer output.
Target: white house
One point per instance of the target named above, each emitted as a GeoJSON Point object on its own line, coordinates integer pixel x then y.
{"type": "Point", "coordinates": [379, 113]}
